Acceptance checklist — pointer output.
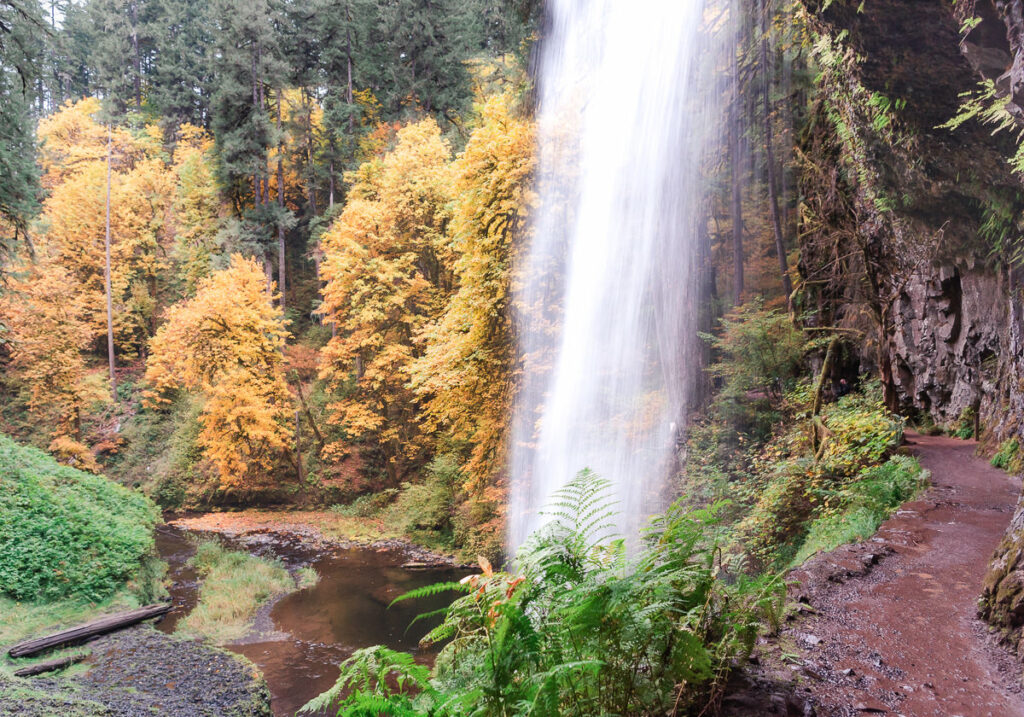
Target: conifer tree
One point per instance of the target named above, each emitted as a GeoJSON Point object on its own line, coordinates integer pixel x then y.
{"type": "Point", "coordinates": [19, 22]}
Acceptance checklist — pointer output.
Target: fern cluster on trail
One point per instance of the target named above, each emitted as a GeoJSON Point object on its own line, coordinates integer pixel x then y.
{"type": "Point", "coordinates": [580, 628]}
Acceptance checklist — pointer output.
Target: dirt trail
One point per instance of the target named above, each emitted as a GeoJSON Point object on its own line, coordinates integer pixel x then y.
{"type": "Point", "coordinates": [890, 624]}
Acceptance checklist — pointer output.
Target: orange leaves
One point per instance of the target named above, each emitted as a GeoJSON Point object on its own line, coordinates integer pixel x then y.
{"type": "Point", "coordinates": [491, 590]}
{"type": "Point", "coordinates": [74, 152]}
{"type": "Point", "coordinates": [227, 343]}
{"type": "Point", "coordinates": [464, 375]}
{"type": "Point", "coordinates": [385, 272]}
{"type": "Point", "coordinates": [49, 333]}
{"type": "Point", "coordinates": [418, 271]}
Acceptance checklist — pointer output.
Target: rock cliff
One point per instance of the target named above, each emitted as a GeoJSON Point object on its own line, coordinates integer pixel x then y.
{"type": "Point", "coordinates": [911, 230]}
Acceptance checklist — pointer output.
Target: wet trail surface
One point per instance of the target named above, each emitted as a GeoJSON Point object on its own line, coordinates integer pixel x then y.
{"type": "Point", "coordinates": [892, 625]}
{"type": "Point", "coordinates": [299, 640]}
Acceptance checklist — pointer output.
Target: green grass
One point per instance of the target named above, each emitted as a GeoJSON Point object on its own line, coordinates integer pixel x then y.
{"type": "Point", "coordinates": [858, 509]}
{"type": "Point", "coordinates": [65, 533]}
{"type": "Point", "coordinates": [306, 577]}
{"type": "Point", "coordinates": [234, 587]}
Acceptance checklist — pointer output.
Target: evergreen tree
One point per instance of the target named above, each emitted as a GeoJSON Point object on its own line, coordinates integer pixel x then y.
{"type": "Point", "coordinates": [182, 81]}
{"type": "Point", "coordinates": [421, 49]}
{"type": "Point", "coordinates": [121, 49]}
{"type": "Point", "coordinates": [20, 21]}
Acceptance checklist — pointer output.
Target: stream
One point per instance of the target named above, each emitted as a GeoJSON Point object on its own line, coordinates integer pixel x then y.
{"type": "Point", "coordinates": [299, 640]}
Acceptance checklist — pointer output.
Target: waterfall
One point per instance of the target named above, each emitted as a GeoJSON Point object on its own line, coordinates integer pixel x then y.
{"type": "Point", "coordinates": [631, 106]}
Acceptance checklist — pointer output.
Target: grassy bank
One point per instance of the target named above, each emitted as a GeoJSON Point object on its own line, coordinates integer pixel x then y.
{"type": "Point", "coordinates": [65, 533]}
{"type": "Point", "coordinates": [73, 546]}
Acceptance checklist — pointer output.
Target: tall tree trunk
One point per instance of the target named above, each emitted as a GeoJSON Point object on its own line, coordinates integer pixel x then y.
{"type": "Point", "coordinates": [773, 199]}
{"type": "Point", "coordinates": [737, 188]}
{"type": "Point", "coordinates": [256, 193]}
{"type": "Point", "coordinates": [349, 95]}
{"type": "Point", "coordinates": [106, 281]}
{"type": "Point", "coordinates": [310, 160]}
{"type": "Point", "coordinates": [330, 182]}
{"type": "Point", "coordinates": [136, 62]}
{"type": "Point", "coordinates": [280, 201]}
{"type": "Point", "coordinates": [737, 214]}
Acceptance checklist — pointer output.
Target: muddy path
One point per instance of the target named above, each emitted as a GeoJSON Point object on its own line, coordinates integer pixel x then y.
{"type": "Point", "coordinates": [889, 626]}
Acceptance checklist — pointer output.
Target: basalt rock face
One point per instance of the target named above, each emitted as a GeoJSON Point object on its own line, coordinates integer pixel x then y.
{"type": "Point", "coordinates": [909, 228]}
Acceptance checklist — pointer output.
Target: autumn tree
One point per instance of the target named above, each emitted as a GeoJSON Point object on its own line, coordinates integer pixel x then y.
{"type": "Point", "coordinates": [197, 207]}
{"type": "Point", "coordinates": [226, 343]}
{"type": "Point", "coordinates": [74, 164]}
{"type": "Point", "coordinates": [49, 331]}
{"type": "Point", "coordinates": [387, 267]}
{"type": "Point", "coordinates": [465, 375]}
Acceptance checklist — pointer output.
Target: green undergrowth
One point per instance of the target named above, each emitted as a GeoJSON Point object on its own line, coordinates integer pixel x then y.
{"type": "Point", "coordinates": [435, 512]}
{"type": "Point", "coordinates": [579, 627]}
{"type": "Point", "coordinates": [234, 586]}
{"type": "Point", "coordinates": [67, 534]}
{"type": "Point", "coordinates": [803, 469]}
{"type": "Point", "coordinates": [853, 512]}
{"type": "Point", "coordinates": [1008, 457]}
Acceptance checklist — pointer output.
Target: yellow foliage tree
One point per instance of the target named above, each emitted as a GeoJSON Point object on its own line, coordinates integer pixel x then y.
{"type": "Point", "coordinates": [227, 343]}
{"type": "Point", "coordinates": [72, 232]}
{"type": "Point", "coordinates": [197, 206]}
{"type": "Point", "coordinates": [465, 375]}
{"type": "Point", "coordinates": [387, 268]}
{"type": "Point", "coordinates": [48, 334]}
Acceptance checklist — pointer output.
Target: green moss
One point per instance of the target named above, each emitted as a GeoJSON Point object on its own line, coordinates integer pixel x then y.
{"type": "Point", "coordinates": [65, 533]}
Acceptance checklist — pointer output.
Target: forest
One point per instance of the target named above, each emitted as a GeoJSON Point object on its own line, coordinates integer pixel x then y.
{"type": "Point", "coordinates": [511, 357]}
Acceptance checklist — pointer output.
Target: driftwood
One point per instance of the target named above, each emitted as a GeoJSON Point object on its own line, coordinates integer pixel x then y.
{"type": "Point", "coordinates": [418, 565]}
{"type": "Point", "coordinates": [89, 629]}
{"type": "Point", "coordinates": [50, 665]}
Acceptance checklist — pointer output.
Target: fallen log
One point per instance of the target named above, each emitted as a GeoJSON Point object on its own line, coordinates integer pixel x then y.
{"type": "Point", "coordinates": [51, 665]}
{"type": "Point", "coordinates": [89, 629]}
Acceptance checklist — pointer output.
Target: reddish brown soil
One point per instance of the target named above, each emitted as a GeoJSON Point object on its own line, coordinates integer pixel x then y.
{"type": "Point", "coordinates": [889, 626]}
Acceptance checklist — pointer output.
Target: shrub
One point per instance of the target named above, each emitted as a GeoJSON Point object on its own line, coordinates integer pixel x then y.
{"type": "Point", "coordinates": [854, 512]}
{"type": "Point", "coordinates": [794, 484]}
{"type": "Point", "coordinates": [579, 628]}
{"type": "Point", "coordinates": [66, 533]}
{"type": "Point", "coordinates": [1008, 456]}
{"type": "Point", "coordinates": [861, 433]}
{"type": "Point", "coordinates": [366, 506]}
{"type": "Point", "coordinates": [761, 351]}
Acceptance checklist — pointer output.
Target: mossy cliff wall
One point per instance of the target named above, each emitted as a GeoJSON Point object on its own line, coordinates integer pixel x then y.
{"type": "Point", "coordinates": [910, 230]}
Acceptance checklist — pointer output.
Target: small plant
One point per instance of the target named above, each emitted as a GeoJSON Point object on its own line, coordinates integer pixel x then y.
{"type": "Point", "coordinates": [964, 426]}
{"type": "Point", "coordinates": [1008, 456]}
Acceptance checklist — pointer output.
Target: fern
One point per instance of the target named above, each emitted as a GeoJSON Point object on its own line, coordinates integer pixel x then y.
{"type": "Point", "coordinates": [580, 629]}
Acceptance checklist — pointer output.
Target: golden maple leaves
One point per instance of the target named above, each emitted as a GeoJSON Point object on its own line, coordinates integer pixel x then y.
{"type": "Point", "coordinates": [418, 271]}
{"type": "Point", "coordinates": [226, 343]}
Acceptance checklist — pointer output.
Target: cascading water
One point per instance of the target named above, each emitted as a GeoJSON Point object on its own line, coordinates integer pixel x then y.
{"type": "Point", "coordinates": [631, 103]}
